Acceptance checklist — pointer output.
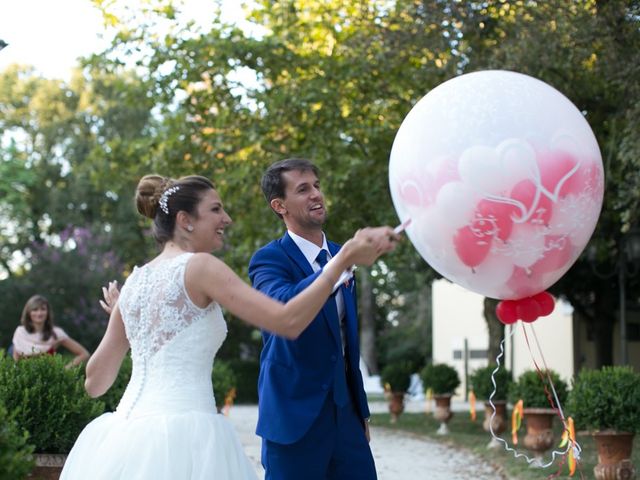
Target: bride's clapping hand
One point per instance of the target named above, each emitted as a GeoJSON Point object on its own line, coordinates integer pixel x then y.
{"type": "Point", "coordinates": [110, 294]}
{"type": "Point", "coordinates": [371, 242]}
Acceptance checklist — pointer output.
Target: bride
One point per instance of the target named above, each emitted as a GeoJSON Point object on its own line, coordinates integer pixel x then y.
{"type": "Point", "coordinates": [169, 314]}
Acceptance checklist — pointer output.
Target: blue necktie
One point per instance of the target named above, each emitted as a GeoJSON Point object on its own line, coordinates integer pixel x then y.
{"type": "Point", "coordinates": [322, 258]}
{"type": "Point", "coordinates": [340, 395]}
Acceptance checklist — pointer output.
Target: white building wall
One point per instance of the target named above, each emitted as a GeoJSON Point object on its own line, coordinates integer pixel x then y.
{"type": "Point", "coordinates": [458, 318]}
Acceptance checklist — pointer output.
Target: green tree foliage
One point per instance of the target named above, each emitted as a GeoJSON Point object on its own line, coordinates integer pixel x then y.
{"type": "Point", "coordinates": [330, 80]}
{"type": "Point", "coordinates": [70, 153]}
{"type": "Point", "coordinates": [70, 156]}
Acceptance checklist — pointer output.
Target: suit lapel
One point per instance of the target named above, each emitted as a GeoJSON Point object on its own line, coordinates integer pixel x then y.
{"type": "Point", "coordinates": [295, 254]}
{"type": "Point", "coordinates": [329, 310]}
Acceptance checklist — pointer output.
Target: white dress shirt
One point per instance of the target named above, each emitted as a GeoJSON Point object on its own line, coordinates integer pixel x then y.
{"type": "Point", "coordinates": [310, 251]}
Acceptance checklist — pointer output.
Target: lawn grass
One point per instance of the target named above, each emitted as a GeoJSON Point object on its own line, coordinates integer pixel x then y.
{"type": "Point", "coordinates": [469, 435]}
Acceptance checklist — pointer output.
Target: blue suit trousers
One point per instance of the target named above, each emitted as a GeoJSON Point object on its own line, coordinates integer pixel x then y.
{"type": "Point", "coordinates": [334, 448]}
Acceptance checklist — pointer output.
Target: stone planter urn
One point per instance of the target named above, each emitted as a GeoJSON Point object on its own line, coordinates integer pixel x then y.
{"type": "Point", "coordinates": [48, 466]}
{"type": "Point", "coordinates": [614, 456]}
{"type": "Point", "coordinates": [396, 405]}
{"type": "Point", "coordinates": [442, 412]}
{"type": "Point", "coordinates": [539, 437]}
{"type": "Point", "coordinates": [499, 422]}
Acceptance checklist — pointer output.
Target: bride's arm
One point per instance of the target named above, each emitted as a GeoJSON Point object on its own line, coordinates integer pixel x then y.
{"type": "Point", "coordinates": [289, 320]}
{"type": "Point", "coordinates": [210, 276]}
{"type": "Point", "coordinates": [104, 364]}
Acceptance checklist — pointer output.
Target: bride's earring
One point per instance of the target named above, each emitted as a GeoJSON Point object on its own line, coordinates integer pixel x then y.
{"type": "Point", "coordinates": [189, 228]}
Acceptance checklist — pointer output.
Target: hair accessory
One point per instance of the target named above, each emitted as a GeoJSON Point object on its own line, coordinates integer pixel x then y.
{"type": "Point", "coordinates": [164, 198]}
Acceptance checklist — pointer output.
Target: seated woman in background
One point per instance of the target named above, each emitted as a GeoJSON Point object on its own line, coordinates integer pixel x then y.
{"type": "Point", "coordinates": [37, 334]}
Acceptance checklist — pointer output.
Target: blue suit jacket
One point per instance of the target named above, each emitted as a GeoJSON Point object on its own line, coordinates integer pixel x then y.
{"type": "Point", "coordinates": [296, 375]}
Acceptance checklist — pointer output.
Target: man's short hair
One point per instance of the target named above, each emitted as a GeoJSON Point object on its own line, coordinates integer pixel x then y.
{"type": "Point", "coordinates": [273, 184]}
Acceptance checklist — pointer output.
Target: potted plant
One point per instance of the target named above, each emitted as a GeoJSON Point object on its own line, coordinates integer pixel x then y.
{"type": "Point", "coordinates": [396, 377]}
{"type": "Point", "coordinates": [48, 401]}
{"type": "Point", "coordinates": [532, 387]}
{"type": "Point", "coordinates": [482, 381]}
{"type": "Point", "coordinates": [607, 403]}
{"type": "Point", "coordinates": [224, 381]}
{"type": "Point", "coordinates": [443, 380]}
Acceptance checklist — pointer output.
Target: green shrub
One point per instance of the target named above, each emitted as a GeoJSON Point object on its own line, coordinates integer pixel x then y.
{"type": "Point", "coordinates": [440, 378]}
{"type": "Point", "coordinates": [112, 398]}
{"type": "Point", "coordinates": [246, 372]}
{"type": "Point", "coordinates": [223, 381]}
{"type": "Point", "coordinates": [397, 375]}
{"type": "Point", "coordinates": [48, 400]}
{"type": "Point", "coordinates": [606, 399]}
{"type": "Point", "coordinates": [531, 389]}
{"type": "Point", "coordinates": [482, 385]}
{"type": "Point", "coordinates": [15, 451]}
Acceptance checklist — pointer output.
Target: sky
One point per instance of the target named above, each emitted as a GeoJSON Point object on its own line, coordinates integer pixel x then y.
{"type": "Point", "coordinates": [51, 34]}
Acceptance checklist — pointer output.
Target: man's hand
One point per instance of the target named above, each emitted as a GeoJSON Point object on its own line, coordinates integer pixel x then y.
{"type": "Point", "coordinates": [384, 238]}
{"type": "Point", "coordinates": [110, 294]}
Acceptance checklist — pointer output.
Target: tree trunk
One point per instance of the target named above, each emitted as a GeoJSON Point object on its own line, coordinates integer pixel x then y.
{"type": "Point", "coordinates": [603, 342]}
{"type": "Point", "coordinates": [367, 322]}
{"type": "Point", "coordinates": [606, 305]}
{"type": "Point", "coordinates": [424, 317]}
{"type": "Point", "coordinates": [496, 330]}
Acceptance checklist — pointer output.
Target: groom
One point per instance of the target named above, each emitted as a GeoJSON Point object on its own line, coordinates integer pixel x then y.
{"type": "Point", "coordinates": [313, 410]}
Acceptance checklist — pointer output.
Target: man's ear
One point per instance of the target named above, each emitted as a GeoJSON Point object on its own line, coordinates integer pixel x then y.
{"type": "Point", "coordinates": [277, 204]}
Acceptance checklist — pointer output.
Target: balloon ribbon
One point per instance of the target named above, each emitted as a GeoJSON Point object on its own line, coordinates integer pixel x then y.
{"type": "Point", "coordinates": [472, 405]}
{"type": "Point", "coordinates": [516, 420]}
{"type": "Point", "coordinates": [569, 435]}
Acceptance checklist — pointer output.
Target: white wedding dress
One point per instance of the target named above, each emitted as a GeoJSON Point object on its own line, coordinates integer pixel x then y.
{"type": "Point", "coordinates": [166, 425]}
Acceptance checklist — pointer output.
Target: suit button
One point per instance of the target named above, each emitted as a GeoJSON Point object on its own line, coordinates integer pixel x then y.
{"type": "Point", "coordinates": [325, 386]}
{"type": "Point", "coordinates": [333, 358]}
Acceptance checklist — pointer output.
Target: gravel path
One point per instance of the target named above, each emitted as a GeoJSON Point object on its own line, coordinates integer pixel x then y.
{"type": "Point", "coordinates": [398, 455]}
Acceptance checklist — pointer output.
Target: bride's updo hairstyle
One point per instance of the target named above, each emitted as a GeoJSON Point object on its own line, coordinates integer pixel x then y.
{"type": "Point", "coordinates": [161, 198]}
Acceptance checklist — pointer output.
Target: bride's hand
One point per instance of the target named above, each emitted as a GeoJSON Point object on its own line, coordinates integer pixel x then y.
{"type": "Point", "coordinates": [111, 295]}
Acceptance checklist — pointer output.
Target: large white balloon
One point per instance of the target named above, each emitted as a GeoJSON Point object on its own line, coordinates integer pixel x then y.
{"type": "Point", "coordinates": [502, 178]}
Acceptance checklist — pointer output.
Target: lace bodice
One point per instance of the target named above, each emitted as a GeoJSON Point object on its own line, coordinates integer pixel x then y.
{"type": "Point", "coordinates": [173, 341]}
